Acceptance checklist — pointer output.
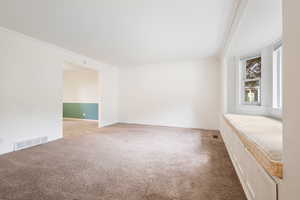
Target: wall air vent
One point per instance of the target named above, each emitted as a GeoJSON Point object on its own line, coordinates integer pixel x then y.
{"type": "Point", "coordinates": [30, 143]}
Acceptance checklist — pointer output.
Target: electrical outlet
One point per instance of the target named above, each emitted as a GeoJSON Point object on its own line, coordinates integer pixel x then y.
{"type": "Point", "coordinates": [1, 140]}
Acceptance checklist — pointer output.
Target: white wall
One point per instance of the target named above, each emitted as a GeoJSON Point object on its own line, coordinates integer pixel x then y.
{"type": "Point", "coordinates": [183, 94]}
{"type": "Point", "coordinates": [223, 86]}
{"type": "Point", "coordinates": [31, 88]}
{"type": "Point", "coordinates": [232, 89]}
{"type": "Point", "coordinates": [291, 99]}
{"type": "Point", "coordinates": [30, 91]}
{"type": "Point", "coordinates": [109, 96]}
{"type": "Point", "coordinates": [80, 86]}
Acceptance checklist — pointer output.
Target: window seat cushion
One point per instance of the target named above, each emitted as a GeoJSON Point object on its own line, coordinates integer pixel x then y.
{"type": "Point", "coordinates": [262, 136]}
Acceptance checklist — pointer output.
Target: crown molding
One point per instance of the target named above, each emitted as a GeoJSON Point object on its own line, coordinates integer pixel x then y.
{"type": "Point", "coordinates": [236, 17]}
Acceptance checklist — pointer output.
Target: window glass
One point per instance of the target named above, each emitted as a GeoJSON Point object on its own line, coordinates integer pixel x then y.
{"type": "Point", "coordinates": [253, 68]}
{"type": "Point", "coordinates": [251, 83]}
{"type": "Point", "coordinates": [277, 78]}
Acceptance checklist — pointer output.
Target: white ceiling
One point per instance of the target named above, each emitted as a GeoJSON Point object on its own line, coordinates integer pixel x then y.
{"type": "Point", "coordinates": [124, 32]}
{"type": "Point", "coordinates": [260, 25]}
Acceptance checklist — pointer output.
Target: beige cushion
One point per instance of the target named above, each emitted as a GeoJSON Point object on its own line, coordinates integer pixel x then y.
{"type": "Point", "coordinates": [265, 132]}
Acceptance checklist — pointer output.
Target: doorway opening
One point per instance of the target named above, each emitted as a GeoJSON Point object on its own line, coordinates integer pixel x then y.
{"type": "Point", "coordinates": [80, 100]}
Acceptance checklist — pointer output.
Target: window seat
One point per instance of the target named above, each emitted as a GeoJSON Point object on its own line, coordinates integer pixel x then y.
{"type": "Point", "coordinates": [262, 137]}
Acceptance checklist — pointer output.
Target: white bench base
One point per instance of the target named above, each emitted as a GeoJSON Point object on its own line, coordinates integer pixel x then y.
{"type": "Point", "coordinates": [256, 182]}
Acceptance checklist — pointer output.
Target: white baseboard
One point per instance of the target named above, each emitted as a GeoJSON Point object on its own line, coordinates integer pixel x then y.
{"type": "Point", "coordinates": [10, 146]}
{"type": "Point", "coordinates": [168, 125]}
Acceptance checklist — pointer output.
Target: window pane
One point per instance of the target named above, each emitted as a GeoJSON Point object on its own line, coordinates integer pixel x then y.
{"type": "Point", "coordinates": [253, 68]}
{"type": "Point", "coordinates": [251, 95]}
{"type": "Point", "coordinates": [280, 78]}
{"type": "Point", "coordinates": [251, 84]}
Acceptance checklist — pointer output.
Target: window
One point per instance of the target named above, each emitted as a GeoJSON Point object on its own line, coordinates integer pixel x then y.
{"type": "Point", "coordinates": [251, 81]}
{"type": "Point", "coordinates": [277, 77]}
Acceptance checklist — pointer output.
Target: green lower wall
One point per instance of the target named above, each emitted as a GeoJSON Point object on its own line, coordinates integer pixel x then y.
{"type": "Point", "coordinates": [80, 110]}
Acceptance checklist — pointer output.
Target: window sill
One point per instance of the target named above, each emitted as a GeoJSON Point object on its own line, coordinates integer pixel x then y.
{"type": "Point", "coordinates": [275, 112]}
{"type": "Point", "coordinates": [259, 110]}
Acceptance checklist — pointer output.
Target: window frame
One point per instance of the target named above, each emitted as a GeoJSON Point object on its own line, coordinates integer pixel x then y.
{"type": "Point", "coordinates": [277, 77]}
{"type": "Point", "coordinates": [243, 80]}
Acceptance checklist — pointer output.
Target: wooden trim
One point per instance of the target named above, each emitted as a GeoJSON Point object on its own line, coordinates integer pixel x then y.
{"type": "Point", "coordinates": [78, 119]}
{"type": "Point", "coordinates": [274, 168]}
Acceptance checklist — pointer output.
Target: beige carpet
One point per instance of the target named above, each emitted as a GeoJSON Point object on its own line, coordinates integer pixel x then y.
{"type": "Point", "coordinates": [122, 162]}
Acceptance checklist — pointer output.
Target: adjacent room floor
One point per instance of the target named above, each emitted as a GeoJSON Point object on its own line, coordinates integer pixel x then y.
{"type": "Point", "coordinates": [122, 162]}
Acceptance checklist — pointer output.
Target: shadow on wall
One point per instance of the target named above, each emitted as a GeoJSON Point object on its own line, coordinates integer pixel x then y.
{"type": "Point", "coordinates": [81, 110]}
